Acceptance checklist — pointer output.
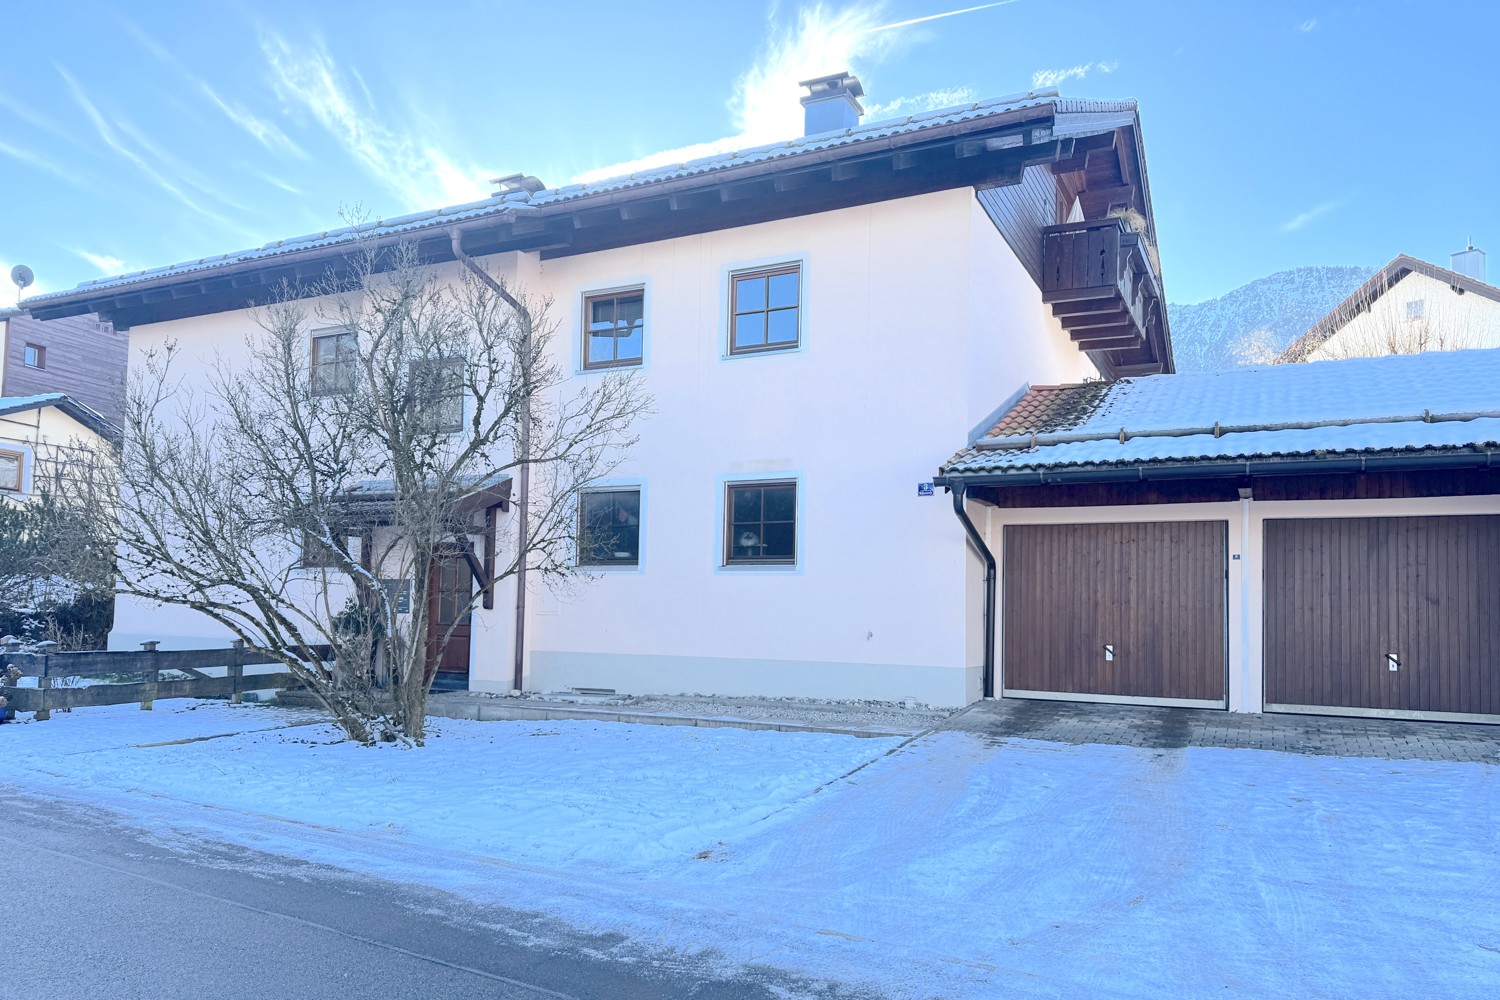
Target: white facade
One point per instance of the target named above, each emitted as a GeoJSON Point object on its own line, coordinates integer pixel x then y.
{"type": "Point", "coordinates": [916, 319]}
{"type": "Point", "coordinates": [39, 434]}
{"type": "Point", "coordinates": [1417, 313]}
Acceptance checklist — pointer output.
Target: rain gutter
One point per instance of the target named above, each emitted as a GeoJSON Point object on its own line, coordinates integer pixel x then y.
{"type": "Point", "coordinates": [1480, 458]}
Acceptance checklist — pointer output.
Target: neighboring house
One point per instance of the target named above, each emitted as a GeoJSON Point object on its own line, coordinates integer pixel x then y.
{"type": "Point", "coordinates": [817, 321]}
{"type": "Point", "coordinates": [1407, 307]}
{"type": "Point", "coordinates": [36, 433]}
{"type": "Point", "coordinates": [79, 355]}
{"type": "Point", "coordinates": [1305, 538]}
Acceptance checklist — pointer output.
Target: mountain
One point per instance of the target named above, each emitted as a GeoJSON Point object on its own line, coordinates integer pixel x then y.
{"type": "Point", "coordinates": [1260, 318]}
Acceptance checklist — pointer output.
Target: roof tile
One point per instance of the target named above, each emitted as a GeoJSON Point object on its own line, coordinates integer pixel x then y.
{"type": "Point", "coordinates": [1442, 400]}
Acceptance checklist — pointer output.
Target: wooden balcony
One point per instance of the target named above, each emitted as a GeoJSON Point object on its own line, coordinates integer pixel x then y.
{"type": "Point", "coordinates": [1100, 282]}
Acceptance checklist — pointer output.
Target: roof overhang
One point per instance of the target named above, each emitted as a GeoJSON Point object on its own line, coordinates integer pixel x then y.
{"type": "Point", "coordinates": [82, 413]}
{"type": "Point", "coordinates": [987, 149]}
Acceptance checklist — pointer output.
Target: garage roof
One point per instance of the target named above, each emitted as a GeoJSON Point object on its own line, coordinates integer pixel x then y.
{"type": "Point", "coordinates": [1440, 401]}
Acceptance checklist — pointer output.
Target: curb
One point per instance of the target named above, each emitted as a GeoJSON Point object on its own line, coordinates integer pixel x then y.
{"type": "Point", "coordinates": [496, 710]}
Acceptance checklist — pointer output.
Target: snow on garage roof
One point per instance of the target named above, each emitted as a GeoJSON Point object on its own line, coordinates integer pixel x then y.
{"type": "Point", "coordinates": [1437, 401]}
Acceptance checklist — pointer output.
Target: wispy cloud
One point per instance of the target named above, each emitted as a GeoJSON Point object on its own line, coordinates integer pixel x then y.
{"type": "Point", "coordinates": [111, 138]}
{"type": "Point", "coordinates": [264, 132]}
{"type": "Point", "coordinates": [1108, 67]}
{"type": "Point", "coordinates": [36, 119]}
{"type": "Point", "coordinates": [136, 149]}
{"type": "Point", "coordinates": [42, 163]}
{"type": "Point", "coordinates": [106, 264]}
{"type": "Point", "coordinates": [408, 164]}
{"type": "Point", "coordinates": [918, 103]}
{"type": "Point", "coordinates": [764, 103]}
{"type": "Point", "coordinates": [1044, 78]}
{"type": "Point", "coordinates": [1296, 222]}
{"type": "Point", "coordinates": [1311, 24]}
{"type": "Point", "coordinates": [277, 182]}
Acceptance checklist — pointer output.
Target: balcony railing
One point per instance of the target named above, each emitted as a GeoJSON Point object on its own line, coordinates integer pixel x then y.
{"type": "Point", "coordinates": [1101, 284]}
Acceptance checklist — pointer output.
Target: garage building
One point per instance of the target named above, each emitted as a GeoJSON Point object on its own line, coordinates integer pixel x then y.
{"type": "Point", "coordinates": [1318, 537]}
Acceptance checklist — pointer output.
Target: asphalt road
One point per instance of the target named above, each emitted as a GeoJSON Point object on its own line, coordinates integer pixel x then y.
{"type": "Point", "coordinates": [94, 908]}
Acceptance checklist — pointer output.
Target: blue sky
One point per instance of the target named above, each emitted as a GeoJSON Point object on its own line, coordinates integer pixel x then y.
{"type": "Point", "coordinates": [1277, 134]}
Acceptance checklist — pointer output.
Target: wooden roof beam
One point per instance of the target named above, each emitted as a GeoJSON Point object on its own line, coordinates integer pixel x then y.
{"type": "Point", "coordinates": [644, 209]}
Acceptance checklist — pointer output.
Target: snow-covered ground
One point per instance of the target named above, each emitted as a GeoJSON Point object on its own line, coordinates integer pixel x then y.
{"type": "Point", "coordinates": [954, 866]}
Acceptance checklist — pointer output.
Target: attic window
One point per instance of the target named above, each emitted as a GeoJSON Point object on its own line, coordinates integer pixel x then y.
{"type": "Point", "coordinates": [36, 356]}
{"type": "Point", "coordinates": [1414, 309]}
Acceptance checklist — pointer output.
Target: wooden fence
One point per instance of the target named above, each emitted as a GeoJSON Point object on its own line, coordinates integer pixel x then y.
{"type": "Point", "coordinates": [149, 664]}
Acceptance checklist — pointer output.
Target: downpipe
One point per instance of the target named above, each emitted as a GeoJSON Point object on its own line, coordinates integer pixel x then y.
{"type": "Point", "coordinates": [523, 485]}
{"type": "Point", "coordinates": [977, 540]}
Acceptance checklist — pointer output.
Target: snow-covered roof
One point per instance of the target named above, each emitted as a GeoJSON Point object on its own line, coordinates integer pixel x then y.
{"type": "Point", "coordinates": [81, 412]}
{"type": "Point", "coordinates": [1084, 115]}
{"type": "Point", "coordinates": [1419, 402]}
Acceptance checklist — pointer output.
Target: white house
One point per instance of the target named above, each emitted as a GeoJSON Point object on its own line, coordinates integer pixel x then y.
{"type": "Point", "coordinates": [1407, 307]}
{"type": "Point", "coordinates": [819, 320]}
{"type": "Point", "coordinates": [36, 434]}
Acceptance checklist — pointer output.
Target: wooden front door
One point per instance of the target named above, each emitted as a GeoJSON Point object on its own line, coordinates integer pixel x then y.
{"type": "Point", "coordinates": [1117, 612]}
{"type": "Point", "coordinates": [1384, 615]}
{"type": "Point", "coordinates": [449, 584]}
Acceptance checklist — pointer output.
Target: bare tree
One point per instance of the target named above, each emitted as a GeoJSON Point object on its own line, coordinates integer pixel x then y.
{"type": "Point", "coordinates": [392, 449]}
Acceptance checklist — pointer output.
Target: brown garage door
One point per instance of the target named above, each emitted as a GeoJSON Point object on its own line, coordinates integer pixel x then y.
{"type": "Point", "coordinates": [1384, 615]}
{"type": "Point", "coordinates": [1116, 612]}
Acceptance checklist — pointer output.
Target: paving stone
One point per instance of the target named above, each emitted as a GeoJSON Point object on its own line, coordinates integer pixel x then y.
{"type": "Point", "coordinates": [1173, 728]}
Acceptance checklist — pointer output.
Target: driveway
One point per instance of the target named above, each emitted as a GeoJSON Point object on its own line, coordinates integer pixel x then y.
{"type": "Point", "coordinates": [1175, 728]}
{"type": "Point", "coordinates": [1120, 857]}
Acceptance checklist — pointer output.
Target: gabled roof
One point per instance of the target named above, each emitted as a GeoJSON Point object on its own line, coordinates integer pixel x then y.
{"type": "Point", "coordinates": [982, 143]}
{"type": "Point", "coordinates": [85, 415]}
{"type": "Point", "coordinates": [1440, 402]}
{"type": "Point", "coordinates": [1363, 297]}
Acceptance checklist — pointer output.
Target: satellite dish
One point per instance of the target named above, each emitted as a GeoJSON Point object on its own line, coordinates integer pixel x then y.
{"type": "Point", "coordinates": [22, 275]}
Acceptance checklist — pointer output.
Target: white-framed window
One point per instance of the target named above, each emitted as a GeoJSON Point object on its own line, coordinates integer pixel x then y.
{"type": "Point", "coordinates": [760, 523]}
{"type": "Point", "coordinates": [12, 467]}
{"type": "Point", "coordinates": [609, 526]}
{"type": "Point", "coordinates": [1415, 309]}
{"type": "Point", "coordinates": [614, 328]}
{"type": "Point", "coordinates": [36, 356]}
{"type": "Point", "coordinates": [765, 309]}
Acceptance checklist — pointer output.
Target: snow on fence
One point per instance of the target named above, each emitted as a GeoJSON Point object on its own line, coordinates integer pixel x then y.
{"type": "Point", "coordinates": [103, 672]}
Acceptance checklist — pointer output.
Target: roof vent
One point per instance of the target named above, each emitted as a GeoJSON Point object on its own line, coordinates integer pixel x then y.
{"type": "Point", "coordinates": [1468, 262]}
{"type": "Point", "coordinates": [832, 103]}
{"type": "Point", "coordinates": [511, 183]}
